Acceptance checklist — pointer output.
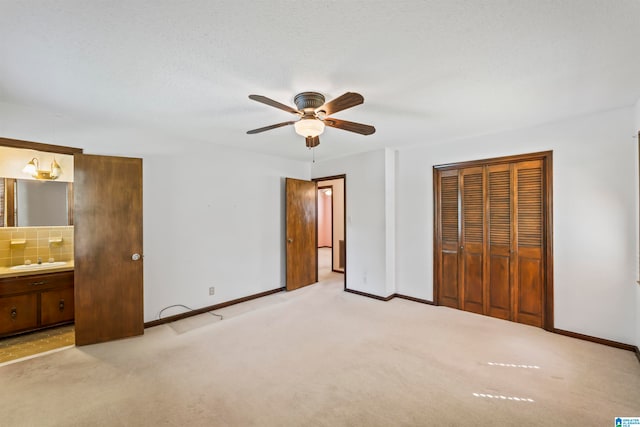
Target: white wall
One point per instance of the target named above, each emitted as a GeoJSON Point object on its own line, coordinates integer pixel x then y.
{"type": "Point", "coordinates": [366, 222]}
{"type": "Point", "coordinates": [213, 217]}
{"type": "Point", "coordinates": [595, 231]}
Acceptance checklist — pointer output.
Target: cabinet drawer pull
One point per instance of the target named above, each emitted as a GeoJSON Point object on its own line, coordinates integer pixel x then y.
{"type": "Point", "coordinates": [61, 305]}
{"type": "Point", "coordinates": [44, 282]}
{"type": "Point", "coordinates": [14, 312]}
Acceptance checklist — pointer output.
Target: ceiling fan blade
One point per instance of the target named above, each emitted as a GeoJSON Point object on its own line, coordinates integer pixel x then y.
{"type": "Point", "coordinates": [312, 141]}
{"type": "Point", "coordinates": [279, 125]}
{"type": "Point", "coordinates": [273, 103]}
{"type": "Point", "coordinates": [350, 126]}
{"type": "Point", "coordinates": [348, 100]}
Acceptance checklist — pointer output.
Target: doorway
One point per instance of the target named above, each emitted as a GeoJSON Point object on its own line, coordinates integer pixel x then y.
{"type": "Point", "coordinates": [37, 236]}
{"type": "Point", "coordinates": [331, 220]}
{"type": "Point", "coordinates": [40, 314]}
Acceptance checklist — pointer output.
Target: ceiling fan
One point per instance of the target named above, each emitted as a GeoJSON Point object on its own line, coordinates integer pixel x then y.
{"type": "Point", "coordinates": [313, 115]}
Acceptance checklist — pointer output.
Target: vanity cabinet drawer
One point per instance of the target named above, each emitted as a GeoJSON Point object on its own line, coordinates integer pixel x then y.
{"type": "Point", "coordinates": [18, 313]}
{"type": "Point", "coordinates": [56, 306]}
{"type": "Point", "coordinates": [35, 283]}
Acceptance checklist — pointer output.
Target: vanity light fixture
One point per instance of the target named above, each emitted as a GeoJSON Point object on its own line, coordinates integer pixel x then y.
{"type": "Point", "coordinates": [33, 169]}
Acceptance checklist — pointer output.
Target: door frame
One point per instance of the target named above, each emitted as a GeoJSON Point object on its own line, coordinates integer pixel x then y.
{"type": "Point", "coordinates": [344, 204]}
{"type": "Point", "coordinates": [547, 164]}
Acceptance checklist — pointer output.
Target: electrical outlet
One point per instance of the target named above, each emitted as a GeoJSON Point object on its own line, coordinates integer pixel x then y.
{"type": "Point", "coordinates": [212, 290]}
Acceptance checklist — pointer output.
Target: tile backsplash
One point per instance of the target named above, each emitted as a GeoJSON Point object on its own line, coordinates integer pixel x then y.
{"type": "Point", "coordinates": [18, 244]}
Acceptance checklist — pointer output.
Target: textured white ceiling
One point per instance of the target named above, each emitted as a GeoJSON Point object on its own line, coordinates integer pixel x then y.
{"type": "Point", "coordinates": [430, 71]}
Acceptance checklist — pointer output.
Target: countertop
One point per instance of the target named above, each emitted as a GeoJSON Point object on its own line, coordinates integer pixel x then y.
{"type": "Point", "coordinates": [7, 272]}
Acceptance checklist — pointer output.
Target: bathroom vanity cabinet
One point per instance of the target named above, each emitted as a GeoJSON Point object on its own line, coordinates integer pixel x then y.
{"type": "Point", "coordinates": [34, 302]}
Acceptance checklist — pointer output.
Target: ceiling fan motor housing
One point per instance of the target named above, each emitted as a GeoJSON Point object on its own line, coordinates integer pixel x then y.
{"type": "Point", "coordinates": [307, 100]}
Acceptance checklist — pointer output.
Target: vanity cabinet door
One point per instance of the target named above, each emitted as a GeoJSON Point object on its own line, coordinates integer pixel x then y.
{"type": "Point", "coordinates": [56, 306]}
{"type": "Point", "coordinates": [18, 313]}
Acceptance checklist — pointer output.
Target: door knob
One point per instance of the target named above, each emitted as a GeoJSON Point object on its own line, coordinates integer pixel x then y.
{"type": "Point", "coordinates": [135, 257]}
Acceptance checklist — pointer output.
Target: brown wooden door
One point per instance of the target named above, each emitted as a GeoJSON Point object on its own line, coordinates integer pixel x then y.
{"type": "Point", "coordinates": [448, 238]}
{"type": "Point", "coordinates": [493, 251]}
{"type": "Point", "coordinates": [301, 233]}
{"type": "Point", "coordinates": [500, 270]}
{"type": "Point", "coordinates": [529, 238]}
{"type": "Point", "coordinates": [471, 249]}
{"type": "Point", "coordinates": [108, 232]}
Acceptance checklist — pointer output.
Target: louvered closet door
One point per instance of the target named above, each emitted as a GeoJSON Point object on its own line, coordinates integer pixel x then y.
{"type": "Point", "coordinates": [448, 241]}
{"type": "Point", "coordinates": [491, 252]}
{"type": "Point", "coordinates": [528, 306]}
{"type": "Point", "coordinates": [500, 270]}
{"type": "Point", "coordinates": [471, 267]}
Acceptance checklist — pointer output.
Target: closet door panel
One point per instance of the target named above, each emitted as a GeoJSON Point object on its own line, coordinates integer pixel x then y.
{"type": "Point", "coordinates": [530, 240]}
{"type": "Point", "coordinates": [500, 265]}
{"type": "Point", "coordinates": [448, 239]}
{"type": "Point", "coordinates": [499, 289]}
{"type": "Point", "coordinates": [530, 289]}
{"type": "Point", "coordinates": [472, 196]}
{"type": "Point", "coordinates": [449, 282]}
{"type": "Point", "coordinates": [473, 289]}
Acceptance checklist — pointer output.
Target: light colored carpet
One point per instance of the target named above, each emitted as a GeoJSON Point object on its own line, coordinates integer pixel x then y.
{"type": "Point", "coordinates": [321, 357]}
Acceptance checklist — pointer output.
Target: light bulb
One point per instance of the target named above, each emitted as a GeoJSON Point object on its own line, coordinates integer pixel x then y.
{"type": "Point", "coordinates": [31, 167]}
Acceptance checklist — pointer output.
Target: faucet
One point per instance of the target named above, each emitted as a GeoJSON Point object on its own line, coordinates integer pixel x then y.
{"type": "Point", "coordinates": [39, 260]}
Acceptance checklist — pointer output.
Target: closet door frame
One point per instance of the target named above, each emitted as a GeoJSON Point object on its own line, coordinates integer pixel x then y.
{"type": "Point", "coordinates": [547, 174]}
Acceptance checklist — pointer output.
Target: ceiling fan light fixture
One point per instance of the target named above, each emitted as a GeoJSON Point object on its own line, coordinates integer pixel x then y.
{"type": "Point", "coordinates": [309, 127]}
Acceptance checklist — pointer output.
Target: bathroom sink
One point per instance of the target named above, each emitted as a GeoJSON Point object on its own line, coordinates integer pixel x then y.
{"type": "Point", "coordinates": [44, 265]}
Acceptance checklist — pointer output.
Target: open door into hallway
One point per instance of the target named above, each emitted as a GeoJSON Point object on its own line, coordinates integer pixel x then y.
{"type": "Point", "coordinates": [301, 245]}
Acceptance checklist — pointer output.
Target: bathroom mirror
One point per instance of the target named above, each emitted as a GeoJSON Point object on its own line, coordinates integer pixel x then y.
{"type": "Point", "coordinates": [35, 203]}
